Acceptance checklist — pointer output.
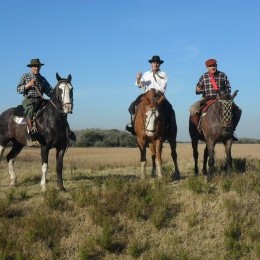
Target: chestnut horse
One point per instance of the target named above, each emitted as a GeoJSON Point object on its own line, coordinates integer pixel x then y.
{"type": "Point", "coordinates": [52, 126]}
{"type": "Point", "coordinates": [216, 125]}
{"type": "Point", "coordinates": [150, 128]}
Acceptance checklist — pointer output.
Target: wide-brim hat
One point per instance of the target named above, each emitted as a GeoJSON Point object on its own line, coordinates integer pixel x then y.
{"type": "Point", "coordinates": [156, 59]}
{"type": "Point", "coordinates": [210, 62]}
{"type": "Point", "coordinates": [35, 62]}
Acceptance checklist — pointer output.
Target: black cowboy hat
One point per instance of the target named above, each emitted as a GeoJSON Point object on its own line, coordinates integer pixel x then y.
{"type": "Point", "coordinates": [156, 59]}
{"type": "Point", "coordinates": [35, 62]}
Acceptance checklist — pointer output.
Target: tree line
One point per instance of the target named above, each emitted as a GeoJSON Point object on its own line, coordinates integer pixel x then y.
{"type": "Point", "coordinates": [118, 138]}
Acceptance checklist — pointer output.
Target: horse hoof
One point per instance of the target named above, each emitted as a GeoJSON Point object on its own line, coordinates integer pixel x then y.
{"type": "Point", "coordinates": [12, 184]}
{"type": "Point", "coordinates": [176, 176]}
{"type": "Point", "coordinates": [61, 188]}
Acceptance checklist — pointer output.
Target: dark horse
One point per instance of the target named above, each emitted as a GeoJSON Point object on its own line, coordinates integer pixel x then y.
{"type": "Point", "coordinates": [51, 124]}
{"type": "Point", "coordinates": [216, 125]}
{"type": "Point", "coordinates": [150, 128]}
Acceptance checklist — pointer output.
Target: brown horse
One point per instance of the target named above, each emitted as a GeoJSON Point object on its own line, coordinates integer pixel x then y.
{"type": "Point", "coordinates": [150, 128]}
{"type": "Point", "coordinates": [216, 125]}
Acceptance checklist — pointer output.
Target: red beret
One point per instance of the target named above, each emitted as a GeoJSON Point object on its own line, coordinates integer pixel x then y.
{"type": "Point", "coordinates": [211, 62]}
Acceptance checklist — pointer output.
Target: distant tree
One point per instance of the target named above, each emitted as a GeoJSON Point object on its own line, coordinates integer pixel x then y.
{"type": "Point", "coordinates": [105, 138]}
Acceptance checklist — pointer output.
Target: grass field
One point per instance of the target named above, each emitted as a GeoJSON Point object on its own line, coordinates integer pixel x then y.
{"type": "Point", "coordinates": [109, 213]}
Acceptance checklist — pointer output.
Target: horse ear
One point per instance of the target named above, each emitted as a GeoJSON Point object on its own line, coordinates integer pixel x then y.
{"type": "Point", "coordinates": [58, 76]}
{"type": "Point", "coordinates": [69, 78]}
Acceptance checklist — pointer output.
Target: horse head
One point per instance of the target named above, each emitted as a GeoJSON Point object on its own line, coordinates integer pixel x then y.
{"type": "Point", "coordinates": [225, 100]}
{"type": "Point", "coordinates": [63, 95]}
{"type": "Point", "coordinates": [151, 100]}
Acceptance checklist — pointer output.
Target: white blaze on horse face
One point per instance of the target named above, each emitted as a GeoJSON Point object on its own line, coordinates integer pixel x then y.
{"type": "Point", "coordinates": [151, 116]}
{"type": "Point", "coordinates": [66, 98]}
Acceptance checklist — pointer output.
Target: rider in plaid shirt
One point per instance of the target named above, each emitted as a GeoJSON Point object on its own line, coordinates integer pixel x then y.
{"type": "Point", "coordinates": [32, 85]}
{"type": "Point", "coordinates": [41, 83]}
{"type": "Point", "coordinates": [206, 88]}
{"type": "Point", "coordinates": [205, 85]}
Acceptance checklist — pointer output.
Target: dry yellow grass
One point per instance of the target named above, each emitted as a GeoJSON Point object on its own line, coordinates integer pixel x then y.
{"type": "Point", "coordinates": [203, 228]}
{"type": "Point", "coordinates": [96, 159]}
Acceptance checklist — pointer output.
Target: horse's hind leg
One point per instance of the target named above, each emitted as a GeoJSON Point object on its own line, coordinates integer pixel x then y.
{"type": "Point", "coordinates": [2, 149]}
{"type": "Point", "coordinates": [194, 143]}
{"type": "Point", "coordinates": [205, 161]}
{"type": "Point", "coordinates": [176, 174]}
{"type": "Point", "coordinates": [16, 149]}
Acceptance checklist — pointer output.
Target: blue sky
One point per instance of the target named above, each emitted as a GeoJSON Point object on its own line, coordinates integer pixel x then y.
{"type": "Point", "coordinates": [104, 43]}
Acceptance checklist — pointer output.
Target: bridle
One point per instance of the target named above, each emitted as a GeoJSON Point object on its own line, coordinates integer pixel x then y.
{"type": "Point", "coordinates": [60, 105]}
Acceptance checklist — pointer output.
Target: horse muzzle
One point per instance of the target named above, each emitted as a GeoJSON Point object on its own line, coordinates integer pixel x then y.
{"type": "Point", "coordinates": [67, 108]}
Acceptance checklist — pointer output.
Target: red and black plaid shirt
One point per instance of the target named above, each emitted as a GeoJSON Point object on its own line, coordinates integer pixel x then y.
{"type": "Point", "coordinates": [207, 89]}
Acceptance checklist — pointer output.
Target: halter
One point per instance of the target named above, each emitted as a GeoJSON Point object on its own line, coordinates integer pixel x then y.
{"type": "Point", "coordinates": [226, 112]}
{"type": "Point", "coordinates": [151, 116]}
{"type": "Point", "coordinates": [65, 100]}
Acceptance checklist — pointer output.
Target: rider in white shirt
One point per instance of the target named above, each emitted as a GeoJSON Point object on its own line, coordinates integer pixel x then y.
{"type": "Point", "coordinates": [155, 78]}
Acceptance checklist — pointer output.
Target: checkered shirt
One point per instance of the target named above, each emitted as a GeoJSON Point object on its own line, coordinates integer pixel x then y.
{"type": "Point", "coordinates": [42, 84]}
{"type": "Point", "coordinates": [205, 84]}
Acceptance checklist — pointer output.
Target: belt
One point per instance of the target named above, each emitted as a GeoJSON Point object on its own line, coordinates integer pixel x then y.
{"type": "Point", "coordinates": [37, 98]}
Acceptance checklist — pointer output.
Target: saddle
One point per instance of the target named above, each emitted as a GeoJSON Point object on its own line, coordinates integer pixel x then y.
{"type": "Point", "coordinates": [19, 116]}
{"type": "Point", "coordinates": [204, 108]}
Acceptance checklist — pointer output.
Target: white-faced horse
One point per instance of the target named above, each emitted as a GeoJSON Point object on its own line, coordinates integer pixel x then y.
{"type": "Point", "coordinates": [51, 124]}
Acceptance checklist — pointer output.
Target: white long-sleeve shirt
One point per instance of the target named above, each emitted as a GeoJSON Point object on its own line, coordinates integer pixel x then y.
{"type": "Point", "coordinates": [153, 80]}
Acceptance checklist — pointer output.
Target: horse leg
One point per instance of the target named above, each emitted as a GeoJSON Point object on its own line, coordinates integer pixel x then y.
{"type": "Point", "coordinates": [194, 143]}
{"type": "Point", "coordinates": [154, 159]}
{"type": "Point", "coordinates": [142, 148]}
{"type": "Point", "coordinates": [59, 167]}
{"type": "Point", "coordinates": [211, 162]}
{"type": "Point", "coordinates": [158, 151]}
{"type": "Point", "coordinates": [176, 174]}
{"type": "Point", "coordinates": [45, 158]}
{"type": "Point", "coordinates": [2, 149]}
{"type": "Point", "coordinates": [205, 161]}
{"type": "Point", "coordinates": [229, 166]}
{"type": "Point", "coordinates": [16, 149]}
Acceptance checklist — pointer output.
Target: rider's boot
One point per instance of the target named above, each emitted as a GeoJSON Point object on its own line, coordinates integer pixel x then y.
{"type": "Point", "coordinates": [34, 135]}
{"type": "Point", "coordinates": [130, 126]}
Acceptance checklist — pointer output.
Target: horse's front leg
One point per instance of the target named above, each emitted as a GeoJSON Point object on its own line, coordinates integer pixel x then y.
{"type": "Point", "coordinates": [45, 159]}
{"type": "Point", "coordinates": [142, 148]}
{"type": "Point", "coordinates": [153, 157]}
{"type": "Point", "coordinates": [211, 160]}
{"type": "Point", "coordinates": [228, 165]}
{"type": "Point", "coordinates": [158, 152]}
{"type": "Point", "coordinates": [59, 167]}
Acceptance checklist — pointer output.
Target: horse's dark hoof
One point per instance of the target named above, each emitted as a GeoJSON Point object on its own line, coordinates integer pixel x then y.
{"type": "Point", "coordinates": [61, 188]}
{"type": "Point", "coordinates": [176, 176]}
